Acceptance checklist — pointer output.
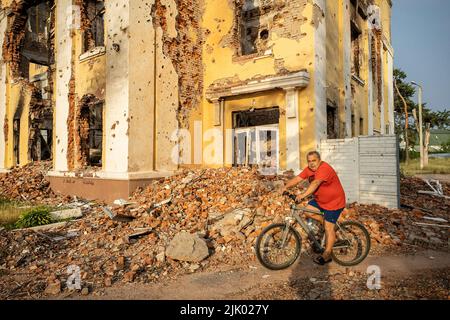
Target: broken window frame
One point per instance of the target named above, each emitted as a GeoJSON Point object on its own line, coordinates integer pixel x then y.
{"type": "Point", "coordinates": [95, 111]}
{"type": "Point", "coordinates": [96, 26]}
{"type": "Point", "coordinates": [16, 140]}
{"type": "Point", "coordinates": [261, 117]}
{"type": "Point", "coordinates": [93, 130]}
{"type": "Point", "coordinates": [253, 151]}
{"type": "Point", "coordinates": [252, 123]}
{"type": "Point", "coordinates": [332, 133]}
{"type": "Point", "coordinates": [355, 54]}
{"type": "Point", "coordinates": [37, 28]}
{"type": "Point", "coordinates": [250, 32]}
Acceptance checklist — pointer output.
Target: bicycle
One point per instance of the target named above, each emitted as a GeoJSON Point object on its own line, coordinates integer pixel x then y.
{"type": "Point", "coordinates": [283, 242]}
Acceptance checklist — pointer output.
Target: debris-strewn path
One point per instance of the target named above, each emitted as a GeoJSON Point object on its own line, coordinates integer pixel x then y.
{"type": "Point", "coordinates": [423, 275]}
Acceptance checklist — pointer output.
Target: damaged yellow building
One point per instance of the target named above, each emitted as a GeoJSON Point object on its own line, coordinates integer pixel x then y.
{"type": "Point", "coordinates": [120, 92]}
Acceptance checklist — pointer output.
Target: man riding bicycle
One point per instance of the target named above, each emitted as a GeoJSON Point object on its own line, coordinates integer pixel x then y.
{"type": "Point", "coordinates": [329, 198]}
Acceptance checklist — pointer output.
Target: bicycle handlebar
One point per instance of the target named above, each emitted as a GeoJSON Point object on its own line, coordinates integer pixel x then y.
{"type": "Point", "coordinates": [290, 195]}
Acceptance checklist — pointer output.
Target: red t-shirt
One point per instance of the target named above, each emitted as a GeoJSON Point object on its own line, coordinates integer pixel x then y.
{"type": "Point", "coordinates": [330, 195]}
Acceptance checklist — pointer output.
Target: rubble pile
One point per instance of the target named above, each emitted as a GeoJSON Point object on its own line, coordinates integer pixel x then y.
{"type": "Point", "coordinates": [225, 209]}
{"type": "Point", "coordinates": [422, 219]}
{"type": "Point", "coordinates": [196, 220]}
{"type": "Point", "coordinates": [412, 199]}
{"type": "Point", "coordinates": [28, 183]}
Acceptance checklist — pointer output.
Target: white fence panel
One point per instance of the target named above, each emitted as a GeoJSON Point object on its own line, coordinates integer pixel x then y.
{"type": "Point", "coordinates": [367, 167]}
{"type": "Point", "coordinates": [342, 155]}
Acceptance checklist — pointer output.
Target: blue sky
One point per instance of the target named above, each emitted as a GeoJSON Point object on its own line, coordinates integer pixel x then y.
{"type": "Point", "coordinates": [421, 40]}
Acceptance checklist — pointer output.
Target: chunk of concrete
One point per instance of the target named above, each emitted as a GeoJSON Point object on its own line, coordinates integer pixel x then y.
{"type": "Point", "coordinates": [66, 214]}
{"type": "Point", "coordinates": [233, 221]}
{"type": "Point", "coordinates": [187, 247]}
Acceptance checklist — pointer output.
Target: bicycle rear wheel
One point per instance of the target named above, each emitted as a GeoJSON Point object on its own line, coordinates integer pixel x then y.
{"type": "Point", "coordinates": [278, 246]}
{"type": "Point", "coordinates": [353, 243]}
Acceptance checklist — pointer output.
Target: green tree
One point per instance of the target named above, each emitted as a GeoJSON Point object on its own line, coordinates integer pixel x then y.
{"type": "Point", "coordinates": [403, 107]}
{"type": "Point", "coordinates": [406, 111]}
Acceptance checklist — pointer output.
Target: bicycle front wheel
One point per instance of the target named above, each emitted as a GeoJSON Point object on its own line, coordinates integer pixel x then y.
{"type": "Point", "coordinates": [278, 246]}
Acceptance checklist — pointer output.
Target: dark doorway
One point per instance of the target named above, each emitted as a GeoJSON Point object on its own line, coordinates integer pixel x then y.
{"type": "Point", "coordinates": [332, 120]}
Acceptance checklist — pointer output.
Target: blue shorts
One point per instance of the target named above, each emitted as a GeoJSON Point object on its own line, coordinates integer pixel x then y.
{"type": "Point", "coordinates": [331, 216]}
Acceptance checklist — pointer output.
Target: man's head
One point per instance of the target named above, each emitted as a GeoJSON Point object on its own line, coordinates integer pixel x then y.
{"type": "Point", "coordinates": [313, 159]}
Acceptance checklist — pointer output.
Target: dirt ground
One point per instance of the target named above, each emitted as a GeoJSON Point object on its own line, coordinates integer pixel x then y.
{"type": "Point", "coordinates": [423, 275]}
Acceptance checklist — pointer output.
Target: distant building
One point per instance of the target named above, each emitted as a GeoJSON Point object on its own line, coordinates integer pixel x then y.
{"type": "Point", "coordinates": [438, 138]}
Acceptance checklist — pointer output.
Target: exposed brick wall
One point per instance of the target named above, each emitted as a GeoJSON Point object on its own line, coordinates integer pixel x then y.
{"type": "Point", "coordinates": [185, 52]}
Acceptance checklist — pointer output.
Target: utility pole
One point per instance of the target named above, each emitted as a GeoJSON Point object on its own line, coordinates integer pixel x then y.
{"type": "Point", "coordinates": [406, 121]}
{"type": "Point", "coordinates": [420, 123]}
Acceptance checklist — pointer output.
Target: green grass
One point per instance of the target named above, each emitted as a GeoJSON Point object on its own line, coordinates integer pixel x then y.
{"type": "Point", "coordinates": [35, 217]}
{"type": "Point", "coordinates": [10, 212]}
{"type": "Point", "coordinates": [435, 166]}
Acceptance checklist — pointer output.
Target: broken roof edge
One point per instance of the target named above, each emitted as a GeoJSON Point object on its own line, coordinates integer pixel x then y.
{"type": "Point", "coordinates": [298, 79]}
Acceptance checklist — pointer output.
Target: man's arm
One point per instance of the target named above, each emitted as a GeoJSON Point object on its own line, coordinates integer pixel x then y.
{"type": "Point", "coordinates": [311, 189]}
{"type": "Point", "coordinates": [292, 183]}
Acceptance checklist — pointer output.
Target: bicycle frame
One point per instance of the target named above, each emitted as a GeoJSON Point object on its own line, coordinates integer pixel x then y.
{"type": "Point", "coordinates": [294, 215]}
{"type": "Point", "coordinates": [302, 223]}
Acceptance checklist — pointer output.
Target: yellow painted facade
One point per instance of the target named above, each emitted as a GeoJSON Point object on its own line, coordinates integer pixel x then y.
{"type": "Point", "coordinates": [221, 63]}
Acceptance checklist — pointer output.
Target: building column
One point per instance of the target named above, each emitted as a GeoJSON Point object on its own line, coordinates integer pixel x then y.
{"type": "Point", "coordinates": [320, 73]}
{"type": "Point", "coordinates": [382, 111]}
{"type": "Point", "coordinates": [347, 72]}
{"type": "Point", "coordinates": [292, 130]}
{"type": "Point", "coordinates": [63, 58]}
{"type": "Point", "coordinates": [390, 83]}
{"type": "Point", "coordinates": [130, 89]}
{"type": "Point", "coordinates": [370, 84]}
{"type": "Point", "coordinates": [219, 133]}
